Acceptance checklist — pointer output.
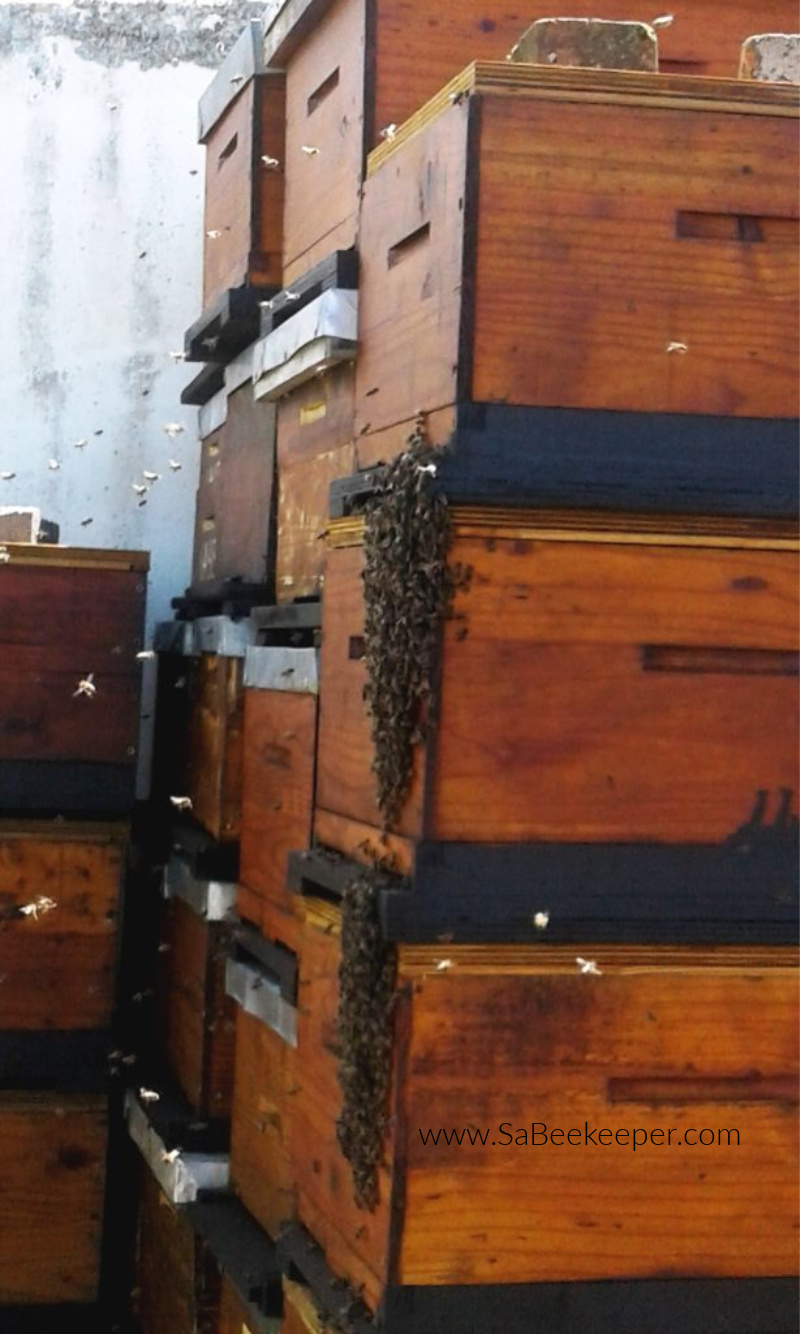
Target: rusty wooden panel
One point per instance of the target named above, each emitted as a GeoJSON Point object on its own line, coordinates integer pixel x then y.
{"type": "Point", "coordinates": [277, 789]}
{"type": "Point", "coordinates": [215, 744]}
{"type": "Point", "coordinates": [552, 726]}
{"type": "Point", "coordinates": [412, 250]}
{"type": "Point", "coordinates": [234, 520]}
{"type": "Point", "coordinates": [261, 1114]}
{"type": "Point", "coordinates": [324, 112]}
{"type": "Point", "coordinates": [197, 1020]}
{"type": "Point", "coordinates": [495, 1044]}
{"type": "Point", "coordinates": [244, 200]}
{"type": "Point", "coordinates": [585, 276]}
{"type": "Point", "coordinates": [57, 968]}
{"type": "Point", "coordinates": [345, 783]}
{"type": "Point", "coordinates": [52, 1165]}
{"type": "Point", "coordinates": [355, 1241]}
{"type": "Point", "coordinates": [178, 1283]}
{"type": "Point", "coordinates": [314, 446]}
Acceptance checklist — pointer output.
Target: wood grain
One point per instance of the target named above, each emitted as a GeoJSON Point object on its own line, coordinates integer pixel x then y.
{"type": "Point", "coordinates": [52, 1164]}
{"type": "Point", "coordinates": [314, 446]}
{"type": "Point", "coordinates": [530, 1046]}
{"type": "Point", "coordinates": [612, 283]}
{"type": "Point", "coordinates": [324, 110]}
{"type": "Point", "coordinates": [234, 519]}
{"type": "Point", "coordinates": [178, 1282]}
{"type": "Point", "coordinates": [277, 789]}
{"type": "Point", "coordinates": [345, 784]}
{"type": "Point", "coordinates": [261, 1115]}
{"type": "Point", "coordinates": [197, 1019]}
{"type": "Point", "coordinates": [300, 1312]}
{"type": "Point", "coordinates": [243, 201]}
{"type": "Point", "coordinates": [57, 969]}
{"type": "Point", "coordinates": [214, 744]}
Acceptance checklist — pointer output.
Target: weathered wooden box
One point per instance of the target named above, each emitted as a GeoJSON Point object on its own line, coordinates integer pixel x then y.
{"type": "Point", "coordinates": [178, 1282]}
{"type": "Point", "coordinates": [214, 743]}
{"type": "Point", "coordinates": [241, 122]}
{"type": "Point", "coordinates": [60, 897]}
{"type": "Point", "coordinates": [356, 68]}
{"type": "Point", "coordinates": [507, 260]}
{"type": "Point", "coordinates": [234, 519]}
{"type": "Point", "coordinates": [196, 1020]}
{"type": "Point", "coordinates": [53, 1169]}
{"type": "Point", "coordinates": [490, 1047]}
{"type": "Point", "coordinates": [596, 683]}
{"type": "Point", "coordinates": [261, 1169]}
{"type": "Point", "coordinates": [72, 622]}
{"type": "Point", "coordinates": [279, 749]}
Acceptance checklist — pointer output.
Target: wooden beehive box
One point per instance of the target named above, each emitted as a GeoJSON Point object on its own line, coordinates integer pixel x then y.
{"type": "Point", "coordinates": [487, 1041]}
{"type": "Point", "coordinates": [279, 748]}
{"type": "Point", "coordinates": [53, 1168]}
{"type": "Point", "coordinates": [261, 1170]}
{"type": "Point", "coordinates": [597, 682]}
{"type": "Point", "coordinates": [214, 743]}
{"type": "Point", "coordinates": [241, 121]}
{"type": "Point", "coordinates": [57, 963]}
{"type": "Point", "coordinates": [354, 69]}
{"type": "Point", "coordinates": [235, 515]}
{"type": "Point", "coordinates": [196, 1019]}
{"type": "Point", "coordinates": [178, 1282]}
{"type": "Point", "coordinates": [526, 267]}
{"type": "Point", "coordinates": [68, 614]}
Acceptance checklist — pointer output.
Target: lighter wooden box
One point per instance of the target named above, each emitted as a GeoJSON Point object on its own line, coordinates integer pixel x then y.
{"type": "Point", "coordinates": [548, 238]}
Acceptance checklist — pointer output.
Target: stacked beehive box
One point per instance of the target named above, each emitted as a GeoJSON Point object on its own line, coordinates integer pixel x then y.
{"type": "Point", "coordinates": [72, 623]}
{"type": "Point", "coordinates": [518, 841]}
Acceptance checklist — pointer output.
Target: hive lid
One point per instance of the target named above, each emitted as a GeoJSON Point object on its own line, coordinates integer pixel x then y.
{"type": "Point", "coordinates": [24, 553]}
{"type": "Point", "coordinates": [241, 64]}
{"type": "Point", "coordinates": [286, 24]}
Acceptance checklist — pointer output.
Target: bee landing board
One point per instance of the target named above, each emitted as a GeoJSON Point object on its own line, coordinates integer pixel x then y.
{"type": "Point", "coordinates": [69, 722]}
{"type": "Point", "coordinates": [241, 123]}
{"type": "Point", "coordinates": [646, 1036]}
{"type": "Point", "coordinates": [662, 296]}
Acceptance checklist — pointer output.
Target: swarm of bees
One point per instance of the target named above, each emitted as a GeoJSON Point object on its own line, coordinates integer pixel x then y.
{"type": "Point", "coordinates": [366, 988]}
{"type": "Point", "coordinates": [408, 589]}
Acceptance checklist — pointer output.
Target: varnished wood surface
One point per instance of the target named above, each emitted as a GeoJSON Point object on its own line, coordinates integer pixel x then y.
{"type": "Point", "coordinates": [215, 744]}
{"type": "Point", "coordinates": [277, 789]}
{"type": "Point", "coordinates": [324, 110]}
{"type": "Point", "coordinates": [52, 1166]}
{"type": "Point", "coordinates": [178, 1283]}
{"type": "Point", "coordinates": [355, 1241]}
{"type": "Point", "coordinates": [57, 968]}
{"type": "Point", "coordinates": [263, 1099]}
{"type": "Point", "coordinates": [314, 447]}
{"type": "Point", "coordinates": [364, 843]}
{"type": "Point", "coordinates": [558, 720]}
{"type": "Point", "coordinates": [604, 268]}
{"type": "Point", "coordinates": [243, 200]}
{"type": "Point", "coordinates": [715, 1041]}
{"type": "Point", "coordinates": [197, 1019]}
{"type": "Point", "coordinates": [234, 517]}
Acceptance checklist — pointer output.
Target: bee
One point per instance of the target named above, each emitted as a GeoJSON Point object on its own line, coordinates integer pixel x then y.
{"type": "Point", "coordinates": [588, 967]}
{"type": "Point", "coordinates": [173, 428]}
{"type": "Point", "coordinates": [86, 686]}
{"type": "Point", "coordinates": [309, 150]}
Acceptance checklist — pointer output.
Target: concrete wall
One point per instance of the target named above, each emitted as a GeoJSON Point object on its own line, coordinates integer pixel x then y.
{"type": "Point", "coordinates": [100, 266]}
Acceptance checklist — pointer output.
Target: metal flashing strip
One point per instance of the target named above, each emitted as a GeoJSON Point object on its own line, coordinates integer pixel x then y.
{"type": "Point", "coordinates": [223, 636]}
{"type": "Point", "coordinates": [322, 334]}
{"type": "Point", "coordinates": [286, 669]}
{"type": "Point", "coordinates": [240, 370]}
{"type": "Point", "coordinates": [213, 900]}
{"type": "Point", "coordinates": [213, 414]}
{"type": "Point", "coordinates": [181, 1176]}
{"type": "Point", "coordinates": [242, 63]}
{"type": "Point", "coordinates": [259, 994]}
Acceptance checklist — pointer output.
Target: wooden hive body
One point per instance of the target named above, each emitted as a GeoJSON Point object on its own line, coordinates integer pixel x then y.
{"type": "Point", "coordinates": [58, 965]}
{"type": "Point", "coordinates": [625, 683]}
{"type": "Point", "coordinates": [355, 67]}
{"type": "Point", "coordinates": [53, 1165]}
{"type": "Point", "coordinates": [214, 743]}
{"type": "Point", "coordinates": [69, 612]}
{"type": "Point", "coordinates": [241, 122]}
{"type": "Point", "coordinates": [507, 1036]}
{"type": "Point", "coordinates": [524, 267]}
{"type": "Point", "coordinates": [234, 519]}
{"type": "Point", "coordinates": [179, 1283]}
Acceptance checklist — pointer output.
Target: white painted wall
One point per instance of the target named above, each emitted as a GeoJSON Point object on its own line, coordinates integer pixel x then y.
{"type": "Point", "coordinates": [100, 267]}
